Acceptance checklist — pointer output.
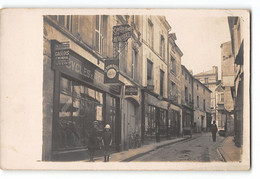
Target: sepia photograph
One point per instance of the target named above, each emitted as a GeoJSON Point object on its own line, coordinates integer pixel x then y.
{"type": "Point", "coordinates": [131, 89]}
{"type": "Point", "coordinates": [142, 88]}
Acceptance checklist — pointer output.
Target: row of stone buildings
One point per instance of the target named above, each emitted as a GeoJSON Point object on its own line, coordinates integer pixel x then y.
{"type": "Point", "coordinates": [227, 93]}
{"type": "Point", "coordinates": [120, 70]}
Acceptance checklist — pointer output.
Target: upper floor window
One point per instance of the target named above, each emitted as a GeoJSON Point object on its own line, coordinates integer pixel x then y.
{"type": "Point", "coordinates": [149, 70]}
{"type": "Point", "coordinates": [150, 33]}
{"type": "Point", "coordinates": [173, 65]}
{"type": "Point", "coordinates": [99, 35]}
{"type": "Point", "coordinates": [206, 80]}
{"type": "Point", "coordinates": [186, 94]}
{"type": "Point", "coordinates": [204, 104]}
{"type": "Point", "coordinates": [185, 76]}
{"type": "Point", "coordinates": [203, 91]}
{"type": "Point", "coordinates": [222, 97]}
{"type": "Point", "coordinates": [197, 87]}
{"type": "Point", "coordinates": [173, 89]}
{"type": "Point", "coordinates": [162, 47]}
{"type": "Point", "coordinates": [134, 68]}
{"type": "Point", "coordinates": [65, 21]}
{"type": "Point", "coordinates": [161, 82]}
{"type": "Point", "coordinates": [198, 101]}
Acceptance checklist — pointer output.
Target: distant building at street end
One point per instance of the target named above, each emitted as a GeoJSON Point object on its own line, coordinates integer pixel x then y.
{"type": "Point", "coordinates": [210, 79]}
{"type": "Point", "coordinates": [202, 111]}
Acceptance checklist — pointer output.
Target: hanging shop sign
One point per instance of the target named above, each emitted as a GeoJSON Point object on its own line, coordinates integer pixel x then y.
{"type": "Point", "coordinates": [61, 53]}
{"type": "Point", "coordinates": [115, 89]}
{"type": "Point", "coordinates": [122, 33]}
{"type": "Point", "coordinates": [131, 90]}
{"type": "Point", "coordinates": [111, 71]}
{"type": "Point", "coordinates": [76, 66]}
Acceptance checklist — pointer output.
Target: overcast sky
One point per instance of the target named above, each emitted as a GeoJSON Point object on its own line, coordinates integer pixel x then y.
{"type": "Point", "coordinates": [199, 36]}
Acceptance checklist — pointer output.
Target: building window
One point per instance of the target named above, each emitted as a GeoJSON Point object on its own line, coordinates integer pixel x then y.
{"type": "Point", "coordinates": [162, 47]}
{"type": "Point", "coordinates": [198, 101]}
{"type": "Point", "coordinates": [65, 21]}
{"type": "Point", "coordinates": [150, 33]}
{"type": "Point", "coordinates": [186, 94]}
{"type": "Point", "coordinates": [173, 89]}
{"type": "Point", "coordinates": [204, 105]}
{"type": "Point", "coordinates": [99, 36]}
{"type": "Point", "coordinates": [206, 80]}
{"type": "Point", "coordinates": [197, 87]}
{"type": "Point", "coordinates": [149, 71]}
{"type": "Point", "coordinates": [222, 97]}
{"type": "Point", "coordinates": [134, 68]}
{"type": "Point", "coordinates": [182, 72]}
{"type": "Point", "coordinates": [161, 82]}
{"type": "Point", "coordinates": [185, 76]}
{"type": "Point", "coordinates": [203, 91]}
{"type": "Point", "coordinates": [173, 65]}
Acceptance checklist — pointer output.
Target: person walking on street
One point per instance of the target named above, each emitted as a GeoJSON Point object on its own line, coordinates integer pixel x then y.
{"type": "Point", "coordinates": [93, 141]}
{"type": "Point", "coordinates": [107, 142]}
{"type": "Point", "coordinates": [214, 130]}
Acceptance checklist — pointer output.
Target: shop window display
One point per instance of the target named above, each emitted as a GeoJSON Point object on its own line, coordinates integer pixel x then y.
{"type": "Point", "coordinates": [79, 107]}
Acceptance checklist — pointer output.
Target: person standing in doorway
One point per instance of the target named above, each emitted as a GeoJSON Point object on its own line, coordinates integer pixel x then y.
{"type": "Point", "coordinates": [214, 130]}
{"type": "Point", "coordinates": [93, 141]}
{"type": "Point", "coordinates": [107, 142]}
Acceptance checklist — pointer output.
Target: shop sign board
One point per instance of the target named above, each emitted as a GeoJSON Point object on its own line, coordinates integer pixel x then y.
{"type": "Point", "coordinates": [61, 54]}
{"type": "Point", "coordinates": [111, 71]}
{"type": "Point", "coordinates": [131, 90]}
{"type": "Point", "coordinates": [77, 67]}
{"type": "Point", "coordinates": [122, 33]}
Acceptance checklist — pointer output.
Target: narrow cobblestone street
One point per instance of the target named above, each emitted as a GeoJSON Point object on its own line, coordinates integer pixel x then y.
{"type": "Point", "coordinates": [200, 148]}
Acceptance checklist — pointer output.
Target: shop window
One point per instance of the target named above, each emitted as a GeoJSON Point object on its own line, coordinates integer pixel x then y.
{"type": "Point", "coordinates": [163, 123]}
{"type": "Point", "coordinates": [150, 123]}
{"type": "Point", "coordinates": [79, 106]}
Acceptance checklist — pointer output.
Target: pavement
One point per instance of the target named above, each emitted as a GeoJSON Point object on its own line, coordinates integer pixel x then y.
{"type": "Point", "coordinates": [229, 151]}
{"type": "Point", "coordinates": [131, 154]}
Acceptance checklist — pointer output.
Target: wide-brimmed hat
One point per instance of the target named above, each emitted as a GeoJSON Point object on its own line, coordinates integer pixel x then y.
{"type": "Point", "coordinates": [107, 126]}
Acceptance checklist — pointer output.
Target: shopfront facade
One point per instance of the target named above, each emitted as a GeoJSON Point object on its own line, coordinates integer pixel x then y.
{"type": "Point", "coordinates": [155, 120]}
{"type": "Point", "coordinates": [74, 94]}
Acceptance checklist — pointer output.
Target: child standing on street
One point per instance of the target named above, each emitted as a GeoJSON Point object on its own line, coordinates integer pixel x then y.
{"type": "Point", "coordinates": [107, 142]}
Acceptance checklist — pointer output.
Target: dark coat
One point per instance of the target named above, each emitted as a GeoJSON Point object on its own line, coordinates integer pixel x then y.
{"type": "Point", "coordinates": [214, 128]}
{"type": "Point", "coordinates": [93, 140]}
{"type": "Point", "coordinates": [107, 137]}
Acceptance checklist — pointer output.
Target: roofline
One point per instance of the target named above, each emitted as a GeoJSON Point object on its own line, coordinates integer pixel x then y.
{"type": "Point", "coordinates": [187, 70]}
{"type": "Point", "coordinates": [203, 85]}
